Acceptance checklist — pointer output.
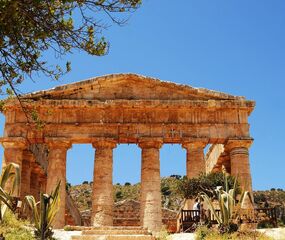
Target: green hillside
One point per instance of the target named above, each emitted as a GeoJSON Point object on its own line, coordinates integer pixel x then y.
{"type": "Point", "coordinates": [171, 198]}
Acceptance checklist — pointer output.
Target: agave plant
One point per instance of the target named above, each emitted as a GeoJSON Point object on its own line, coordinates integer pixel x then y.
{"type": "Point", "coordinates": [44, 212]}
{"type": "Point", "coordinates": [9, 185]}
{"type": "Point", "coordinates": [228, 205]}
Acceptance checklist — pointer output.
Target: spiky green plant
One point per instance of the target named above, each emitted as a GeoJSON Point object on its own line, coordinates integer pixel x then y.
{"type": "Point", "coordinates": [228, 205]}
{"type": "Point", "coordinates": [11, 177]}
{"type": "Point", "coordinates": [44, 212]}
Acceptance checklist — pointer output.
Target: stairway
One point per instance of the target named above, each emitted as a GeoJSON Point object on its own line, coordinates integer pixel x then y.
{"type": "Point", "coordinates": [114, 233]}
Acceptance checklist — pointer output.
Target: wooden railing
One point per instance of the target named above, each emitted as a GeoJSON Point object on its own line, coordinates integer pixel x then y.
{"type": "Point", "coordinates": [191, 218]}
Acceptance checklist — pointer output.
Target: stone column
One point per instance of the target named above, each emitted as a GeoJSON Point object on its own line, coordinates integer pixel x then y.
{"type": "Point", "coordinates": [57, 172]}
{"type": "Point", "coordinates": [239, 158]}
{"type": "Point", "coordinates": [28, 158]}
{"type": "Point", "coordinates": [34, 187]}
{"type": "Point", "coordinates": [13, 153]}
{"type": "Point", "coordinates": [43, 183]}
{"type": "Point", "coordinates": [195, 162]}
{"type": "Point", "coordinates": [150, 212]}
{"type": "Point", "coordinates": [102, 194]}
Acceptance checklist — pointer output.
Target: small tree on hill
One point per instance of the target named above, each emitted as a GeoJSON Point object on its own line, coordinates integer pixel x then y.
{"type": "Point", "coordinates": [207, 183]}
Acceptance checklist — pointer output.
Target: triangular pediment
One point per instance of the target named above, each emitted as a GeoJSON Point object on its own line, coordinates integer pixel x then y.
{"type": "Point", "coordinates": [129, 87]}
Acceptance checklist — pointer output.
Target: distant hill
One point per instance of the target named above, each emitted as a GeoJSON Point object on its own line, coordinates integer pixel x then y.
{"type": "Point", "coordinates": [171, 199]}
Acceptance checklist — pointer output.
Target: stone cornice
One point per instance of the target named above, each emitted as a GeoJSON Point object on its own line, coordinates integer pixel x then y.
{"type": "Point", "coordinates": [78, 103]}
{"type": "Point", "coordinates": [128, 78]}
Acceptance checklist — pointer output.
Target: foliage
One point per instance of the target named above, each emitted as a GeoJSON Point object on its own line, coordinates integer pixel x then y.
{"type": "Point", "coordinates": [204, 233]}
{"type": "Point", "coordinates": [274, 198]}
{"type": "Point", "coordinates": [207, 183]}
{"type": "Point", "coordinates": [265, 224]}
{"type": "Point", "coordinates": [44, 212]}
{"type": "Point", "coordinates": [229, 208]}
{"type": "Point", "coordinates": [14, 229]}
{"type": "Point", "coordinates": [30, 28]}
{"type": "Point", "coordinates": [10, 175]}
{"type": "Point", "coordinates": [163, 234]}
{"type": "Point", "coordinates": [82, 194]}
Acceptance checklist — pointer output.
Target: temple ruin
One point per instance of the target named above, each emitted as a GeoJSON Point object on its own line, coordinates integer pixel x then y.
{"type": "Point", "coordinates": [125, 108]}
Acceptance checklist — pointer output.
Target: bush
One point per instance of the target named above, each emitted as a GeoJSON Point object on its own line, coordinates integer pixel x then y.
{"type": "Point", "coordinates": [14, 229]}
{"type": "Point", "coordinates": [190, 188]}
{"type": "Point", "coordinates": [119, 195]}
{"type": "Point", "coordinates": [203, 233]}
{"type": "Point", "coordinates": [128, 184]}
{"type": "Point", "coordinates": [85, 182]}
{"type": "Point", "coordinates": [265, 224]}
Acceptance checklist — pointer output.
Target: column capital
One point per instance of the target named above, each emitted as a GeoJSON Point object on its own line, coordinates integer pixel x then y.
{"type": "Point", "coordinates": [150, 143]}
{"type": "Point", "coordinates": [58, 143]}
{"type": "Point", "coordinates": [194, 143]}
{"type": "Point", "coordinates": [29, 156]}
{"type": "Point", "coordinates": [14, 142]}
{"type": "Point", "coordinates": [104, 143]}
{"type": "Point", "coordinates": [239, 143]}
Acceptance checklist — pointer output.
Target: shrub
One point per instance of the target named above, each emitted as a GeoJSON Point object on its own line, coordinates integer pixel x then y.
{"type": "Point", "coordinates": [163, 234]}
{"type": "Point", "coordinates": [203, 233]}
{"type": "Point", "coordinates": [229, 207]}
{"type": "Point", "coordinates": [265, 224]}
{"type": "Point", "coordinates": [44, 212]}
{"type": "Point", "coordinates": [128, 184]}
{"type": "Point", "coordinates": [13, 229]}
{"type": "Point", "coordinates": [119, 195]}
{"type": "Point", "coordinates": [85, 182]}
{"type": "Point", "coordinates": [190, 188]}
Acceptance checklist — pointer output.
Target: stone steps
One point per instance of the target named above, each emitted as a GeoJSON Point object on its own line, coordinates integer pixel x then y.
{"type": "Point", "coordinates": [113, 237]}
{"type": "Point", "coordinates": [114, 233]}
{"type": "Point", "coordinates": [83, 228]}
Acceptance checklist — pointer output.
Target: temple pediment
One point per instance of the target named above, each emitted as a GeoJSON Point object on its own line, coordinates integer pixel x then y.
{"type": "Point", "coordinates": [129, 87]}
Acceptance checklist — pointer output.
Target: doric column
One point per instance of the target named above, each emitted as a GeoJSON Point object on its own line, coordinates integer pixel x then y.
{"type": "Point", "coordinates": [195, 162]}
{"type": "Point", "coordinates": [57, 172]}
{"type": "Point", "coordinates": [150, 212]}
{"type": "Point", "coordinates": [43, 183]}
{"type": "Point", "coordinates": [34, 187]}
{"type": "Point", "coordinates": [239, 158]}
{"type": "Point", "coordinates": [28, 158]}
{"type": "Point", "coordinates": [13, 153]}
{"type": "Point", "coordinates": [102, 199]}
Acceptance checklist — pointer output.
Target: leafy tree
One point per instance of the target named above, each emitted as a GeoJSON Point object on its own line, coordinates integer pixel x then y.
{"type": "Point", "coordinates": [207, 183]}
{"type": "Point", "coordinates": [29, 28]}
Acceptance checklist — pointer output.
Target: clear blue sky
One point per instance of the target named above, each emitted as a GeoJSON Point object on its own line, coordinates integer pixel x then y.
{"type": "Point", "coordinates": [236, 47]}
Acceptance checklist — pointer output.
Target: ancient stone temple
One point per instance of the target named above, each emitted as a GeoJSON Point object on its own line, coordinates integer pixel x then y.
{"type": "Point", "coordinates": [125, 108]}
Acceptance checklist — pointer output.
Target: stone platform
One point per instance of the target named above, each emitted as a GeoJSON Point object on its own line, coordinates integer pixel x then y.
{"type": "Point", "coordinates": [114, 233]}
